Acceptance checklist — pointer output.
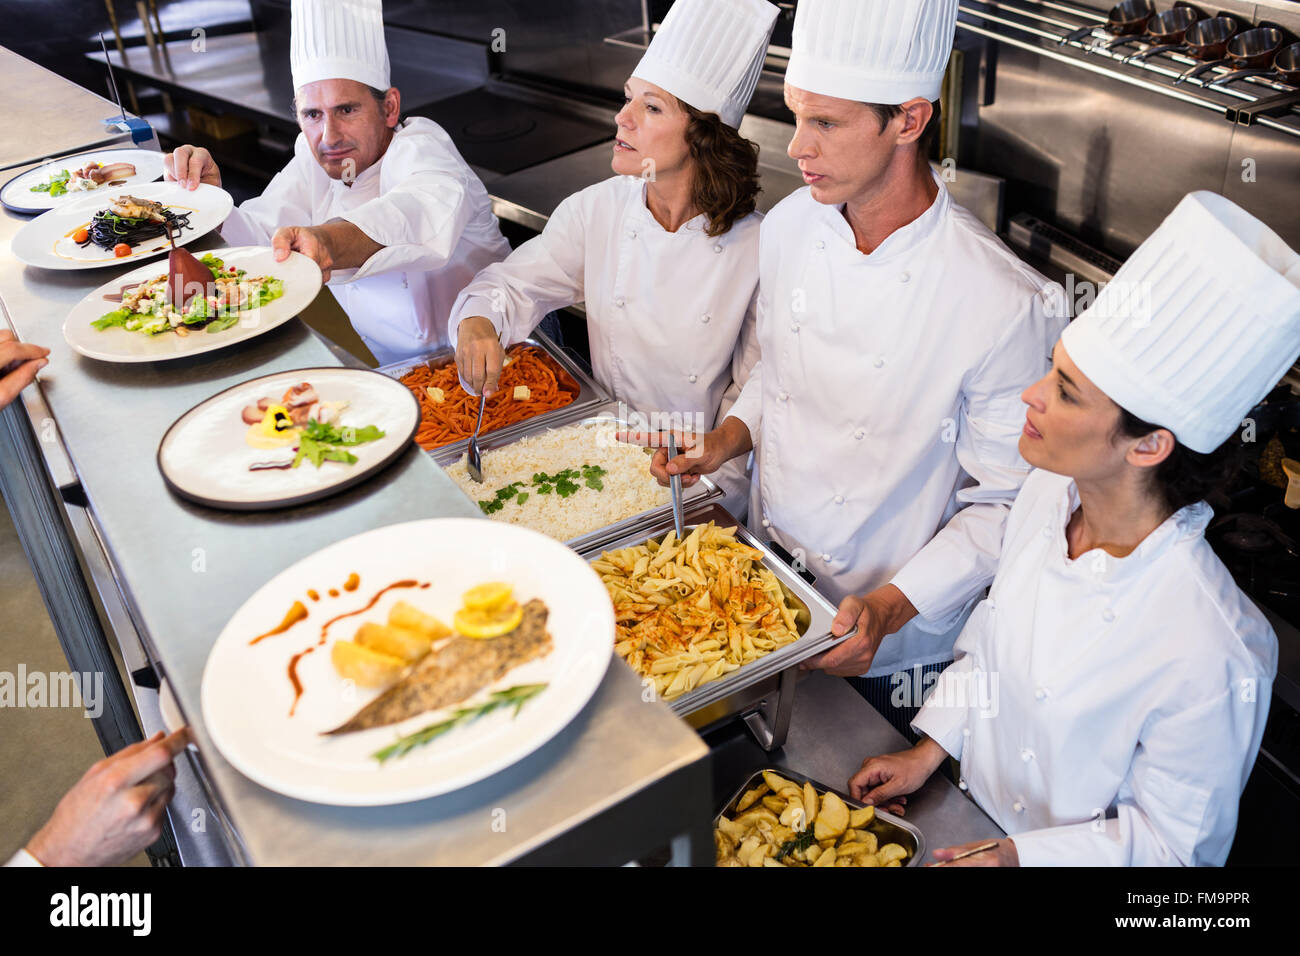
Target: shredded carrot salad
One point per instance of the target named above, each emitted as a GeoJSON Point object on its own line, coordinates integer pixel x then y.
{"type": "Point", "coordinates": [452, 419]}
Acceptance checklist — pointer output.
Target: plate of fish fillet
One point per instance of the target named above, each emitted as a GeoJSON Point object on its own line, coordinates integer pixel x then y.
{"type": "Point", "coordinates": [407, 662]}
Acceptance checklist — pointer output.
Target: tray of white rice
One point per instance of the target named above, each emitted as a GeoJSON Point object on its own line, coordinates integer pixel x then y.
{"type": "Point", "coordinates": [576, 483]}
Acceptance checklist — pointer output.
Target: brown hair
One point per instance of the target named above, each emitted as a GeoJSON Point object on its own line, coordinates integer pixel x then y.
{"type": "Point", "coordinates": [929, 135]}
{"type": "Point", "coordinates": [1186, 476]}
{"type": "Point", "coordinates": [726, 170]}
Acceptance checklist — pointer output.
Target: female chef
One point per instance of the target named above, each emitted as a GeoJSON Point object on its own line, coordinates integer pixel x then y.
{"type": "Point", "coordinates": [1109, 696]}
{"type": "Point", "coordinates": [664, 254]}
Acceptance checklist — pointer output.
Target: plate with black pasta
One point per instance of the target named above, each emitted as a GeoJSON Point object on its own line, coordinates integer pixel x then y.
{"type": "Point", "coordinates": [121, 226]}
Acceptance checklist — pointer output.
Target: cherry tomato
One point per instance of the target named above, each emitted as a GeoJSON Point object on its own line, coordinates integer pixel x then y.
{"type": "Point", "coordinates": [81, 235]}
{"type": "Point", "coordinates": [121, 249]}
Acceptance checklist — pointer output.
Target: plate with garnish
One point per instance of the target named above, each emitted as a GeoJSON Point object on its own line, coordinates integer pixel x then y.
{"type": "Point", "coordinates": [407, 661]}
{"type": "Point", "coordinates": [61, 181]}
{"type": "Point", "coordinates": [191, 304]}
{"type": "Point", "coordinates": [118, 226]}
{"type": "Point", "coordinates": [288, 438]}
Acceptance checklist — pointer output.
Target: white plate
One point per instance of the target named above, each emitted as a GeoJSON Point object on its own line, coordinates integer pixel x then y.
{"type": "Point", "coordinates": [46, 241]}
{"type": "Point", "coordinates": [246, 693]}
{"type": "Point", "coordinates": [204, 456]}
{"type": "Point", "coordinates": [17, 193]}
{"type": "Point", "coordinates": [302, 282]}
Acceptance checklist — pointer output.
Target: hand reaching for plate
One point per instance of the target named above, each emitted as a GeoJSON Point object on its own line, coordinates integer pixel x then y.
{"type": "Point", "coordinates": [19, 363]}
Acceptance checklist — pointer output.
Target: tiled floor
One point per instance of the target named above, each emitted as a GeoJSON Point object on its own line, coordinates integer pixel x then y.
{"type": "Point", "coordinates": [43, 751]}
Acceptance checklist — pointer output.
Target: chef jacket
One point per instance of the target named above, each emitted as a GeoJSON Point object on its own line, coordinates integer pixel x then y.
{"type": "Point", "coordinates": [886, 406]}
{"type": "Point", "coordinates": [421, 202]}
{"type": "Point", "coordinates": [670, 315]}
{"type": "Point", "coordinates": [1107, 711]}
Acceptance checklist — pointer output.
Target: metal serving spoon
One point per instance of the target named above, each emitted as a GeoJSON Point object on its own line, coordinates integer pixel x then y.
{"type": "Point", "coordinates": [474, 461]}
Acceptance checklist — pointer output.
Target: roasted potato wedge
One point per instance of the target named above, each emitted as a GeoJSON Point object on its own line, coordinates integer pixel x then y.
{"type": "Point", "coordinates": [411, 618]}
{"type": "Point", "coordinates": [365, 667]}
{"type": "Point", "coordinates": [410, 646]}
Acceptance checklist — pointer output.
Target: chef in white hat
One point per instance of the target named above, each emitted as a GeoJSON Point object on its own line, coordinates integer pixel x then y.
{"type": "Point", "coordinates": [896, 333]}
{"type": "Point", "coordinates": [387, 207]}
{"type": "Point", "coordinates": [1109, 697]}
{"type": "Point", "coordinates": [665, 253]}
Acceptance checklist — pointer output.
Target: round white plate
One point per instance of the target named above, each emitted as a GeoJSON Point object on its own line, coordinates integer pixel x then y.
{"type": "Point", "coordinates": [17, 193]}
{"type": "Point", "coordinates": [204, 456]}
{"type": "Point", "coordinates": [246, 692]}
{"type": "Point", "coordinates": [46, 241]}
{"type": "Point", "coordinates": [302, 281]}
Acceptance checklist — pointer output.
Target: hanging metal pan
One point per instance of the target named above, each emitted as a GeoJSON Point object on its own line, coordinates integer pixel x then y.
{"type": "Point", "coordinates": [1252, 53]}
{"type": "Point", "coordinates": [1167, 31]}
{"type": "Point", "coordinates": [1207, 41]}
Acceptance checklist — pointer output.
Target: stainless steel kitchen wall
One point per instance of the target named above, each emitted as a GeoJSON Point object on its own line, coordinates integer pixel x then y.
{"type": "Point", "coordinates": [1107, 161]}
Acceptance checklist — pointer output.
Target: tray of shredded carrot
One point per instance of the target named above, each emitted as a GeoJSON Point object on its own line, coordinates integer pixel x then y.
{"type": "Point", "coordinates": [532, 383]}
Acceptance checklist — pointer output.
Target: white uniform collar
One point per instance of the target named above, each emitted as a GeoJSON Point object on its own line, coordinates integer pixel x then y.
{"type": "Point", "coordinates": [900, 241]}
{"type": "Point", "coordinates": [1186, 523]}
{"type": "Point", "coordinates": [641, 213]}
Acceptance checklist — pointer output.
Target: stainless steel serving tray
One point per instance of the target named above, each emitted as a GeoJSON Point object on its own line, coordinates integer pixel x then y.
{"type": "Point", "coordinates": [700, 493]}
{"type": "Point", "coordinates": [590, 394]}
{"type": "Point", "coordinates": [815, 638]}
{"type": "Point", "coordinates": [887, 827]}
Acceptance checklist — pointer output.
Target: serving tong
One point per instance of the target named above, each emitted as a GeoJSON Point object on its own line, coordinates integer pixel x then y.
{"type": "Point", "coordinates": [474, 457]}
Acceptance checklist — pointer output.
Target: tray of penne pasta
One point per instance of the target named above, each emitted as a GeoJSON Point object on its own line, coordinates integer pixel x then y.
{"type": "Point", "coordinates": [714, 622]}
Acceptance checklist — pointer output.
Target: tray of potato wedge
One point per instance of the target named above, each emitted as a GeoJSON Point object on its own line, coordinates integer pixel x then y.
{"type": "Point", "coordinates": [782, 818]}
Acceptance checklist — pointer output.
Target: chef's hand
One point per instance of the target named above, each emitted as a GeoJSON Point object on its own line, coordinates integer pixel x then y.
{"type": "Point", "coordinates": [884, 780]}
{"type": "Point", "coordinates": [19, 363]}
{"type": "Point", "coordinates": [115, 810]}
{"type": "Point", "coordinates": [876, 615]}
{"type": "Point", "coordinates": [479, 355]}
{"type": "Point", "coordinates": [698, 454]}
{"type": "Point", "coordinates": [189, 166]}
{"type": "Point", "coordinates": [1004, 854]}
{"type": "Point", "coordinates": [312, 241]}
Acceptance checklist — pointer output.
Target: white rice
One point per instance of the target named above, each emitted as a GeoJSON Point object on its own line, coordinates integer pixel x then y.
{"type": "Point", "coordinates": [629, 488]}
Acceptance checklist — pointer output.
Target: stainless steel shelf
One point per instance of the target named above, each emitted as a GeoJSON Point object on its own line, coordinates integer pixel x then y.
{"type": "Point", "coordinates": [1075, 35]}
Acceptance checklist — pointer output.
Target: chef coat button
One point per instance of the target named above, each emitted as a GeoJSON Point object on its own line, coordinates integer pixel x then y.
{"type": "Point", "coordinates": [965, 731]}
{"type": "Point", "coordinates": [905, 277]}
{"type": "Point", "coordinates": [784, 396]}
{"type": "Point", "coordinates": [1047, 531]}
{"type": "Point", "coordinates": [766, 523]}
{"type": "Point", "coordinates": [619, 302]}
{"type": "Point", "coordinates": [1018, 807]}
{"type": "Point", "coordinates": [631, 233]}
{"type": "Point", "coordinates": [693, 379]}
{"type": "Point", "coordinates": [993, 605]}
{"type": "Point", "coordinates": [1108, 615]}
{"type": "Point", "coordinates": [705, 318]}
{"type": "Point", "coordinates": [717, 247]}
{"type": "Point", "coordinates": [859, 434]}
{"type": "Point", "coordinates": [839, 499]}
{"type": "Point", "coordinates": [879, 363]}
{"type": "Point", "coordinates": [1040, 694]}
{"type": "Point", "coordinates": [961, 784]}
{"type": "Point", "coordinates": [795, 328]}
{"type": "Point", "coordinates": [1026, 754]}
{"type": "Point", "coordinates": [820, 244]}
{"type": "Point", "coordinates": [825, 556]}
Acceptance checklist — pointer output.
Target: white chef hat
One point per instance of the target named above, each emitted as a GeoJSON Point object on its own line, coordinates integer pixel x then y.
{"type": "Point", "coordinates": [1198, 325]}
{"type": "Point", "coordinates": [708, 53]}
{"type": "Point", "coordinates": [872, 51]}
{"type": "Point", "coordinates": [338, 40]}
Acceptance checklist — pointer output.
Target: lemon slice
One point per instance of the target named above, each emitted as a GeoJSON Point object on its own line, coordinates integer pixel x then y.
{"type": "Point", "coordinates": [487, 597]}
{"type": "Point", "coordinates": [492, 623]}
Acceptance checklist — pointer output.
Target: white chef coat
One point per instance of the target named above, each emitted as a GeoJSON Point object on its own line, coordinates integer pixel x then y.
{"type": "Point", "coordinates": [670, 315]}
{"type": "Point", "coordinates": [886, 398]}
{"type": "Point", "coordinates": [23, 858]}
{"type": "Point", "coordinates": [1107, 710]}
{"type": "Point", "coordinates": [421, 202]}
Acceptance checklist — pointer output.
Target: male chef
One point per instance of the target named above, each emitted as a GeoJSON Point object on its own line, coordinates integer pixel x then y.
{"type": "Point", "coordinates": [397, 221]}
{"type": "Point", "coordinates": [896, 336]}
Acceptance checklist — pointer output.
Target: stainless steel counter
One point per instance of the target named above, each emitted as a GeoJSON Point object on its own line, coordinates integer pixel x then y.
{"type": "Point", "coordinates": [625, 777]}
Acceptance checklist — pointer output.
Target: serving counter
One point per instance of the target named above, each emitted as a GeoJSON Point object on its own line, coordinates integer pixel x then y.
{"type": "Point", "coordinates": [139, 583]}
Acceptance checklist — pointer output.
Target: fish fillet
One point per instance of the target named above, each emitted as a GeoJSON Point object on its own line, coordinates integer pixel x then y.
{"type": "Point", "coordinates": [454, 672]}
